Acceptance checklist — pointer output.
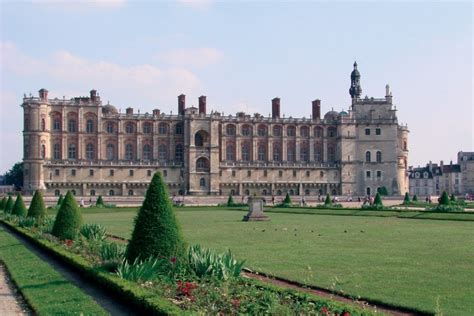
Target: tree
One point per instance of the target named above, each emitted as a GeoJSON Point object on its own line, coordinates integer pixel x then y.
{"type": "Point", "coordinates": [406, 200]}
{"type": "Point", "coordinates": [100, 201]}
{"type": "Point", "coordinates": [15, 176]}
{"type": "Point", "coordinates": [230, 201]}
{"type": "Point", "coordinates": [453, 198]}
{"type": "Point", "coordinates": [287, 199]}
{"type": "Point", "coordinates": [19, 209]}
{"type": "Point", "coordinates": [3, 204]}
{"type": "Point", "coordinates": [415, 198]}
{"type": "Point", "coordinates": [382, 190]}
{"type": "Point", "coordinates": [328, 201]}
{"type": "Point", "coordinates": [9, 205]}
{"type": "Point", "coordinates": [37, 209]}
{"type": "Point", "coordinates": [157, 232]}
{"type": "Point", "coordinates": [68, 220]}
{"type": "Point", "coordinates": [444, 199]}
{"type": "Point", "coordinates": [378, 200]}
{"type": "Point", "coordinates": [60, 200]}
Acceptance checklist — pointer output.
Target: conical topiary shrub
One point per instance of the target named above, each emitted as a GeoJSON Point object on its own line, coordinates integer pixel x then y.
{"type": "Point", "coordinates": [9, 205]}
{"type": "Point", "coordinates": [444, 199]}
{"type": "Point", "coordinates": [60, 200]}
{"type": "Point", "coordinates": [100, 201]}
{"type": "Point", "coordinates": [37, 209]}
{"type": "Point", "coordinates": [415, 198]}
{"type": "Point", "coordinates": [156, 232]}
{"type": "Point", "coordinates": [378, 200]}
{"type": "Point", "coordinates": [3, 204]}
{"type": "Point", "coordinates": [68, 220]}
{"type": "Point", "coordinates": [287, 199]}
{"type": "Point", "coordinates": [453, 198]}
{"type": "Point", "coordinates": [328, 201]}
{"type": "Point", "coordinates": [406, 200]}
{"type": "Point", "coordinates": [230, 201]}
{"type": "Point", "coordinates": [19, 209]}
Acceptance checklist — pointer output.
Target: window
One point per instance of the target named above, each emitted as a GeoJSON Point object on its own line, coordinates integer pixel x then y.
{"type": "Point", "coordinates": [111, 172]}
{"type": "Point", "coordinates": [265, 173]}
{"type": "Point", "coordinates": [129, 128]}
{"type": "Point", "coordinates": [130, 173]}
{"type": "Point", "coordinates": [89, 126]}
{"type": "Point", "coordinates": [130, 192]}
{"type": "Point", "coordinates": [308, 173]}
{"type": "Point", "coordinates": [318, 132]}
{"type": "Point", "coordinates": [162, 152]}
{"type": "Point", "coordinates": [178, 152]}
{"type": "Point", "coordinates": [233, 173]}
{"type": "Point", "coordinates": [304, 131]}
{"type": "Point", "coordinates": [90, 151]}
{"type": "Point", "coordinates": [292, 192]}
{"type": "Point", "coordinates": [73, 172]}
{"type": "Point", "coordinates": [367, 156]}
{"type": "Point", "coordinates": [43, 151]}
{"type": "Point", "coordinates": [332, 132]}
{"type": "Point", "coordinates": [367, 174]}
{"type": "Point", "coordinates": [280, 174]}
{"type": "Point", "coordinates": [56, 172]}
{"type": "Point", "coordinates": [56, 124]}
{"type": "Point", "coordinates": [72, 151]}
{"type": "Point", "coordinates": [331, 154]}
{"type": "Point", "coordinates": [249, 173]}
{"type": "Point", "coordinates": [245, 152]}
{"type": "Point", "coordinates": [202, 182]}
{"type": "Point", "coordinates": [146, 152]}
{"type": "Point", "coordinates": [128, 152]}
{"type": "Point", "coordinates": [379, 156]}
{"type": "Point", "coordinates": [162, 129]}
{"type": "Point", "coordinates": [276, 131]}
{"type": "Point", "coordinates": [202, 164]}
{"type": "Point", "coordinates": [165, 173]}
{"type": "Point", "coordinates": [57, 151]}
{"type": "Point", "coordinates": [294, 173]}
{"type": "Point", "coordinates": [230, 130]}
{"type": "Point", "coordinates": [110, 127]}
{"type": "Point", "coordinates": [321, 174]}
{"type": "Point", "coordinates": [148, 173]}
{"type": "Point", "coordinates": [262, 153]}
{"type": "Point", "coordinates": [264, 192]}
{"type": "Point", "coordinates": [111, 193]}
{"type": "Point", "coordinates": [73, 192]}
{"type": "Point", "coordinates": [246, 130]}
{"type": "Point", "coordinates": [290, 153]}
{"type": "Point", "coordinates": [405, 146]}
{"type": "Point", "coordinates": [318, 152]}
{"type": "Point", "coordinates": [72, 126]}
{"type": "Point", "coordinates": [262, 130]}
{"type": "Point", "coordinates": [367, 131]}
{"type": "Point", "coordinates": [92, 193]}
{"type": "Point", "coordinates": [304, 153]}
{"type": "Point", "coordinates": [179, 129]}
{"type": "Point", "coordinates": [290, 131]}
{"type": "Point", "coordinates": [379, 174]}
{"type": "Point", "coordinates": [91, 172]}
{"type": "Point", "coordinates": [230, 152]}
{"type": "Point", "coordinates": [43, 125]}
{"type": "Point", "coordinates": [378, 131]}
{"type": "Point", "coordinates": [276, 152]}
{"type": "Point", "coordinates": [110, 152]}
{"type": "Point", "coordinates": [368, 191]}
{"type": "Point", "coordinates": [147, 128]}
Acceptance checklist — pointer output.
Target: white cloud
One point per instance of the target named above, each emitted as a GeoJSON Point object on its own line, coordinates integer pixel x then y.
{"type": "Point", "coordinates": [191, 57]}
{"type": "Point", "coordinates": [197, 4]}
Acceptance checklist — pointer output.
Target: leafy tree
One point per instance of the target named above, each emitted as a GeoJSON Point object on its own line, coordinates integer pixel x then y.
{"type": "Point", "coordinates": [378, 200]}
{"type": "Point", "coordinates": [68, 220]}
{"type": "Point", "coordinates": [406, 200]}
{"type": "Point", "coordinates": [287, 199]}
{"type": "Point", "coordinates": [60, 200]}
{"type": "Point", "coordinates": [230, 201]}
{"type": "Point", "coordinates": [15, 175]}
{"type": "Point", "coordinates": [444, 199]}
{"type": "Point", "coordinates": [19, 209]}
{"type": "Point", "coordinates": [328, 201]}
{"type": "Point", "coordinates": [37, 208]}
{"type": "Point", "coordinates": [157, 232]}
{"type": "Point", "coordinates": [100, 201]}
{"type": "Point", "coordinates": [9, 205]}
{"type": "Point", "coordinates": [415, 198]}
{"type": "Point", "coordinates": [3, 204]}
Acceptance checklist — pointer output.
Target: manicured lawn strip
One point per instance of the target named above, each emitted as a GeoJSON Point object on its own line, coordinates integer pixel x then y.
{"type": "Point", "coordinates": [45, 289]}
{"type": "Point", "coordinates": [145, 301]}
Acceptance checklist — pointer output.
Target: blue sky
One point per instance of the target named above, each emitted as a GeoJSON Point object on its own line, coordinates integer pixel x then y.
{"type": "Point", "coordinates": [241, 55]}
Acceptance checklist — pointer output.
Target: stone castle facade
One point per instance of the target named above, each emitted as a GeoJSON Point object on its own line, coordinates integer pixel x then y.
{"type": "Point", "coordinates": [89, 148]}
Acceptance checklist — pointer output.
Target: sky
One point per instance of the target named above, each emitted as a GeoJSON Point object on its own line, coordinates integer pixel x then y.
{"type": "Point", "coordinates": [241, 54]}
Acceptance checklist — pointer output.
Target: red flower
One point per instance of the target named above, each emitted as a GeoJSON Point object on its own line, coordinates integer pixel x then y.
{"type": "Point", "coordinates": [346, 313]}
{"type": "Point", "coordinates": [68, 242]}
{"type": "Point", "coordinates": [325, 310]}
{"type": "Point", "coordinates": [236, 303]}
{"type": "Point", "coordinates": [185, 288]}
{"type": "Point", "coordinates": [173, 260]}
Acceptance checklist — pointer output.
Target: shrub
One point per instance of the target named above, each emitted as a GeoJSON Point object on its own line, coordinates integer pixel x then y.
{"type": "Point", "coordinates": [287, 199]}
{"type": "Point", "coordinates": [139, 271]}
{"type": "Point", "coordinates": [327, 201]}
{"type": "Point", "coordinates": [112, 252]}
{"type": "Point", "coordinates": [3, 204]}
{"type": "Point", "coordinates": [68, 220]}
{"type": "Point", "coordinates": [100, 201]}
{"type": "Point", "coordinates": [93, 232]}
{"type": "Point", "coordinates": [230, 201]}
{"type": "Point", "coordinates": [382, 190]}
{"type": "Point", "coordinates": [406, 200]}
{"type": "Point", "coordinates": [26, 222]}
{"type": "Point", "coordinates": [207, 263]}
{"type": "Point", "coordinates": [378, 200]}
{"type": "Point", "coordinates": [19, 209]}
{"type": "Point", "coordinates": [9, 205]}
{"type": "Point", "coordinates": [444, 199]}
{"type": "Point", "coordinates": [415, 198]}
{"type": "Point", "coordinates": [156, 232]}
{"type": "Point", "coordinates": [453, 198]}
{"type": "Point", "coordinates": [47, 224]}
{"type": "Point", "coordinates": [37, 209]}
{"type": "Point", "coordinates": [445, 208]}
{"type": "Point", "coordinates": [60, 200]}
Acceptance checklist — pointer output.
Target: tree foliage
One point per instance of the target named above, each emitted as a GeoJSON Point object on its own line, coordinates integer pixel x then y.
{"type": "Point", "coordinates": [9, 205]}
{"type": "Point", "coordinates": [15, 175]}
{"type": "Point", "coordinates": [60, 200]}
{"type": "Point", "coordinates": [157, 232]}
{"type": "Point", "coordinates": [19, 209]}
{"type": "Point", "coordinates": [382, 190]}
{"type": "Point", "coordinates": [328, 200]}
{"type": "Point", "coordinates": [453, 198]}
{"type": "Point", "coordinates": [37, 209]}
{"type": "Point", "coordinates": [378, 200]}
{"type": "Point", "coordinates": [100, 201]}
{"type": "Point", "coordinates": [68, 220]}
{"type": "Point", "coordinates": [3, 204]}
{"type": "Point", "coordinates": [287, 199]}
{"type": "Point", "coordinates": [406, 200]}
{"type": "Point", "coordinates": [230, 201]}
{"type": "Point", "coordinates": [444, 199]}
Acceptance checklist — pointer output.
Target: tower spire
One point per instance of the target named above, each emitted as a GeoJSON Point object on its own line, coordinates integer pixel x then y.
{"type": "Point", "coordinates": [355, 90]}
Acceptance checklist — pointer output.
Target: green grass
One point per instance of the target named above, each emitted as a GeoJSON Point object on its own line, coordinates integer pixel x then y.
{"type": "Point", "coordinates": [410, 263]}
{"type": "Point", "coordinates": [45, 290]}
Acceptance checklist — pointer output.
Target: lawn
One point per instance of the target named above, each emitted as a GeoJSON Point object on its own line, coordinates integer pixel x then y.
{"type": "Point", "coordinates": [412, 263]}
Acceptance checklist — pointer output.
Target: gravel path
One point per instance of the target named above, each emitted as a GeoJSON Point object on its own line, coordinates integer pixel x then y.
{"type": "Point", "coordinates": [11, 302]}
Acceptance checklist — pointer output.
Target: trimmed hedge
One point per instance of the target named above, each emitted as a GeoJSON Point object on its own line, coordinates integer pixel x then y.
{"type": "Point", "coordinates": [230, 201]}
{"type": "Point", "coordinates": [68, 220]}
{"type": "Point", "coordinates": [100, 201]}
{"type": "Point", "coordinates": [327, 201]}
{"type": "Point", "coordinates": [19, 209]}
{"type": "Point", "coordinates": [444, 199]}
{"type": "Point", "coordinates": [3, 204]}
{"type": "Point", "coordinates": [37, 209]}
{"type": "Point", "coordinates": [378, 200]}
{"type": "Point", "coordinates": [9, 205]}
{"type": "Point", "coordinates": [60, 200]}
{"type": "Point", "coordinates": [287, 199]}
{"type": "Point", "coordinates": [406, 200]}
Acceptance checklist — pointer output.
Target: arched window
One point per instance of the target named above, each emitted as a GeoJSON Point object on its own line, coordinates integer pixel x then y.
{"type": "Point", "coordinates": [146, 152]}
{"type": "Point", "coordinates": [292, 192]}
{"type": "Point", "coordinates": [43, 151]}
{"type": "Point", "coordinates": [277, 130]}
{"type": "Point", "coordinates": [73, 192]}
{"type": "Point", "coordinates": [279, 192]}
{"type": "Point", "coordinates": [318, 152]}
{"type": "Point", "coordinates": [130, 192]}
{"type": "Point", "coordinates": [43, 125]}
{"type": "Point", "coordinates": [92, 192]}
{"type": "Point", "coordinates": [111, 192]}
{"type": "Point", "coordinates": [276, 152]}
{"type": "Point", "coordinates": [367, 156]}
{"type": "Point", "coordinates": [90, 151]}
{"type": "Point", "coordinates": [128, 152]}
{"type": "Point", "coordinates": [230, 130]}
{"type": "Point", "coordinates": [200, 138]}
{"type": "Point", "coordinates": [56, 124]}
{"type": "Point", "coordinates": [290, 131]}
{"type": "Point", "coordinates": [110, 152]}
{"type": "Point", "coordinates": [331, 154]}
{"type": "Point", "coordinates": [246, 130]}
{"type": "Point", "coordinates": [246, 192]}
{"type": "Point", "coordinates": [179, 129]}
{"type": "Point", "coordinates": [90, 126]}
{"type": "Point", "coordinates": [304, 152]}
{"type": "Point", "coordinates": [379, 156]}
{"type": "Point", "coordinates": [71, 151]}
{"type": "Point", "coordinates": [318, 132]}
{"type": "Point", "coordinates": [332, 132]}
{"type": "Point", "coordinates": [162, 152]}
{"type": "Point", "coordinates": [178, 153]}
{"type": "Point", "coordinates": [290, 152]}
{"type": "Point", "coordinates": [56, 151]}
{"type": "Point", "coordinates": [405, 146]}
{"type": "Point", "coordinates": [307, 192]}
{"type": "Point", "coordinates": [262, 153]}
{"type": "Point", "coordinates": [202, 182]}
{"type": "Point", "coordinates": [264, 192]}
{"type": "Point", "coordinates": [129, 128]}
{"type": "Point", "coordinates": [147, 128]}
{"type": "Point", "coordinates": [230, 152]}
{"type": "Point", "coordinates": [202, 164]}
{"type": "Point", "coordinates": [245, 152]}
{"type": "Point", "coordinates": [262, 130]}
{"type": "Point", "coordinates": [72, 126]}
{"type": "Point", "coordinates": [56, 193]}
{"type": "Point", "coordinates": [110, 127]}
{"type": "Point", "coordinates": [163, 129]}
{"type": "Point", "coordinates": [304, 131]}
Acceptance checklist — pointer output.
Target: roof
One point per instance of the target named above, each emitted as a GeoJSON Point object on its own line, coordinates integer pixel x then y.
{"type": "Point", "coordinates": [421, 173]}
{"type": "Point", "coordinates": [451, 168]}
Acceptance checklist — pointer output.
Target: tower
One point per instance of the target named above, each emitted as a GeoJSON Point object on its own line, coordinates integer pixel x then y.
{"type": "Point", "coordinates": [355, 90]}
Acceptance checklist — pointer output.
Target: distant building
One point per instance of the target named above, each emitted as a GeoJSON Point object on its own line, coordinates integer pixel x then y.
{"type": "Point", "coordinates": [422, 181]}
{"type": "Point", "coordinates": [433, 179]}
{"type": "Point", "coordinates": [466, 161]}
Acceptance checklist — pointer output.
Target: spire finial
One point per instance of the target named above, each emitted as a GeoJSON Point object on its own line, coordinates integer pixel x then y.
{"type": "Point", "coordinates": [355, 64]}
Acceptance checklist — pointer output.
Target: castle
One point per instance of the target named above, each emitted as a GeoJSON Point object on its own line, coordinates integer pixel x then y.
{"type": "Point", "coordinates": [90, 148]}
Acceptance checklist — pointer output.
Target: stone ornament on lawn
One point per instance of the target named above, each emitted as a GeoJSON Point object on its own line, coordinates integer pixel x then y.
{"type": "Point", "coordinates": [255, 210]}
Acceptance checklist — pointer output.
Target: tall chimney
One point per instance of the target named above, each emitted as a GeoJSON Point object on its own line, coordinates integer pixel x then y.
{"type": "Point", "coordinates": [316, 109]}
{"type": "Point", "coordinates": [181, 104]}
{"type": "Point", "coordinates": [276, 108]}
{"type": "Point", "coordinates": [43, 94]}
{"type": "Point", "coordinates": [156, 112]}
{"type": "Point", "coordinates": [93, 95]}
{"type": "Point", "coordinates": [129, 111]}
{"type": "Point", "coordinates": [202, 104]}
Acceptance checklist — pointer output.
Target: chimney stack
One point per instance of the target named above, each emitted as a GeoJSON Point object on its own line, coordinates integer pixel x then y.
{"type": "Point", "coordinates": [276, 108]}
{"type": "Point", "coordinates": [93, 95]}
{"type": "Point", "coordinates": [156, 112]}
{"type": "Point", "coordinates": [181, 104]}
{"type": "Point", "coordinates": [43, 94]}
{"type": "Point", "coordinates": [129, 111]}
{"type": "Point", "coordinates": [316, 109]}
{"type": "Point", "coordinates": [202, 104]}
